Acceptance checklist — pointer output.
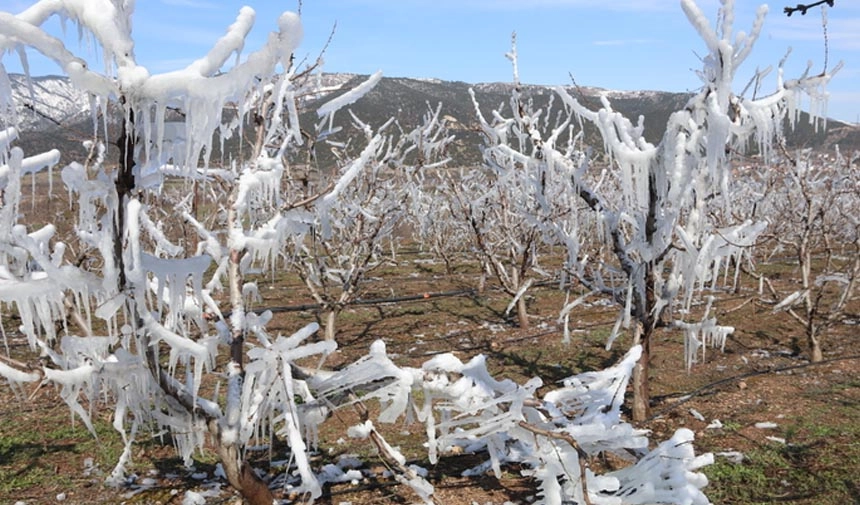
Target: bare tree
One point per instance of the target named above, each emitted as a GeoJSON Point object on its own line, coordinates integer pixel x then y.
{"type": "Point", "coordinates": [350, 225]}
{"type": "Point", "coordinates": [811, 202]}
{"type": "Point", "coordinates": [436, 226]}
{"type": "Point", "coordinates": [493, 210]}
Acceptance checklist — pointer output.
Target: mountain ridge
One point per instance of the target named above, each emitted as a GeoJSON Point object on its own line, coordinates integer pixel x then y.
{"type": "Point", "coordinates": [52, 113]}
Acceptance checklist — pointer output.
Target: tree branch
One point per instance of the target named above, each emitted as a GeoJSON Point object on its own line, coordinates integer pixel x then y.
{"type": "Point", "coordinates": [383, 447]}
{"type": "Point", "coordinates": [802, 8]}
{"type": "Point", "coordinates": [583, 456]}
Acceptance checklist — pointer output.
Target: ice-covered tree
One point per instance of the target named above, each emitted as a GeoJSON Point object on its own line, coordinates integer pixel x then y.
{"type": "Point", "coordinates": [157, 346]}
{"type": "Point", "coordinates": [495, 212]}
{"type": "Point", "coordinates": [558, 437]}
{"type": "Point", "coordinates": [436, 226]}
{"type": "Point", "coordinates": [664, 247]}
{"type": "Point", "coordinates": [352, 223]}
{"type": "Point", "coordinates": [147, 326]}
{"type": "Point", "coordinates": [810, 201]}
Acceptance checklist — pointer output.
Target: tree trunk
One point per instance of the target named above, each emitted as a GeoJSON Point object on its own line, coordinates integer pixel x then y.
{"type": "Point", "coordinates": [482, 283]}
{"type": "Point", "coordinates": [815, 353]}
{"type": "Point", "coordinates": [330, 322]}
{"type": "Point", "coordinates": [641, 385]}
{"type": "Point", "coordinates": [124, 185]}
{"type": "Point", "coordinates": [522, 313]}
{"type": "Point", "coordinates": [239, 473]}
{"type": "Point", "coordinates": [644, 310]}
{"type": "Point", "coordinates": [241, 476]}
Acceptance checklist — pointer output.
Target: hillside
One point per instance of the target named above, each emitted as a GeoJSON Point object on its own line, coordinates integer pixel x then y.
{"type": "Point", "coordinates": [54, 114]}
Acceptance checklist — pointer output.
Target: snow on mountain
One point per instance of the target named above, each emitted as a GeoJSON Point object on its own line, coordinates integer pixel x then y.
{"type": "Point", "coordinates": [329, 83]}
{"type": "Point", "coordinates": [47, 101]}
{"type": "Point", "coordinates": [589, 91]}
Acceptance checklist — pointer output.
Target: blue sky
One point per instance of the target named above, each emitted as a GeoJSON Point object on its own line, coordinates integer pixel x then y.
{"type": "Point", "coordinates": [618, 44]}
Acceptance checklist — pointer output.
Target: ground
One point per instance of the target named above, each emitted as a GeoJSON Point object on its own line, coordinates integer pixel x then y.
{"type": "Point", "coordinates": [783, 430]}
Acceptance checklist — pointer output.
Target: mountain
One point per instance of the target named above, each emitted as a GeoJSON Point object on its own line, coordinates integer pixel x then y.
{"type": "Point", "coordinates": [54, 114]}
{"type": "Point", "coordinates": [407, 99]}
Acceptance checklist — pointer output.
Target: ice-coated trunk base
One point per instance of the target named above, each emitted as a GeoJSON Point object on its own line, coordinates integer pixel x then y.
{"type": "Point", "coordinates": [241, 476]}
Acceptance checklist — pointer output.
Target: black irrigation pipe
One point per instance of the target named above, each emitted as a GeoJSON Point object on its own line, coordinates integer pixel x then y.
{"type": "Point", "coordinates": [371, 301]}
{"type": "Point", "coordinates": [383, 301]}
{"type": "Point", "coordinates": [685, 397]}
{"type": "Point", "coordinates": [411, 298]}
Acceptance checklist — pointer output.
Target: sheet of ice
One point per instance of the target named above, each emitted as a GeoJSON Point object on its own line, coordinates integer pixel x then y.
{"type": "Point", "coordinates": [667, 474]}
{"type": "Point", "coordinates": [202, 353]}
{"type": "Point", "coordinates": [420, 485]}
{"type": "Point", "coordinates": [20, 30]}
{"type": "Point", "coordinates": [701, 334]}
{"type": "Point", "coordinates": [766, 425]}
{"type": "Point", "coordinates": [351, 172]}
{"type": "Point", "coordinates": [269, 384]}
{"type": "Point", "coordinates": [39, 303]}
{"type": "Point", "coordinates": [373, 376]}
{"type": "Point", "coordinates": [172, 278]}
{"type": "Point", "coordinates": [334, 474]}
{"type": "Point", "coordinates": [7, 136]}
{"type": "Point", "coordinates": [193, 498]}
{"type": "Point", "coordinates": [260, 186]}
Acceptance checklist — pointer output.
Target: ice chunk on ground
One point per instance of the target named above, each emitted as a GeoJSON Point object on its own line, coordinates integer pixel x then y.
{"type": "Point", "coordinates": [766, 425]}
{"type": "Point", "coordinates": [192, 498]}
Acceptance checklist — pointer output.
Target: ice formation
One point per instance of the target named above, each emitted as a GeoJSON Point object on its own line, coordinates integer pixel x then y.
{"type": "Point", "coordinates": [644, 224]}
{"type": "Point", "coordinates": [161, 285]}
{"type": "Point", "coordinates": [148, 289]}
{"type": "Point", "coordinates": [701, 334]}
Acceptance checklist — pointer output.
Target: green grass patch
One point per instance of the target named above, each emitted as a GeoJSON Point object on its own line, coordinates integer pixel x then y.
{"type": "Point", "coordinates": [819, 464]}
{"type": "Point", "coordinates": [54, 448]}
